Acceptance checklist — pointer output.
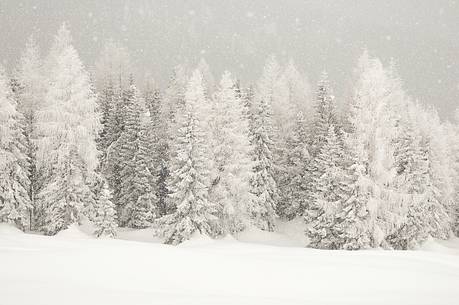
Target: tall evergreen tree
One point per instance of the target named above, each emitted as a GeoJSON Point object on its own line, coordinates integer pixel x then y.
{"type": "Point", "coordinates": [295, 181]}
{"type": "Point", "coordinates": [136, 196]}
{"type": "Point", "coordinates": [372, 129]}
{"type": "Point", "coordinates": [264, 185]}
{"type": "Point", "coordinates": [189, 180]}
{"type": "Point", "coordinates": [232, 157]}
{"type": "Point", "coordinates": [68, 124]}
{"type": "Point", "coordinates": [160, 150]}
{"type": "Point", "coordinates": [30, 95]}
{"type": "Point", "coordinates": [330, 195]}
{"type": "Point", "coordinates": [14, 180]}
{"type": "Point", "coordinates": [324, 117]}
{"type": "Point", "coordinates": [353, 229]}
{"type": "Point", "coordinates": [67, 197]}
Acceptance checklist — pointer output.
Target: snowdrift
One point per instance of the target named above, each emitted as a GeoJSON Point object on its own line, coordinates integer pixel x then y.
{"type": "Point", "coordinates": [73, 268]}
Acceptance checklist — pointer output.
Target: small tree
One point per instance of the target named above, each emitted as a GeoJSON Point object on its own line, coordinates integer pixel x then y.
{"type": "Point", "coordinates": [105, 219]}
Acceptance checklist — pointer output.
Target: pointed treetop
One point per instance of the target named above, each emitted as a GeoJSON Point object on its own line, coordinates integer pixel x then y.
{"type": "Point", "coordinates": [227, 80]}
{"type": "Point", "coordinates": [323, 77]}
{"type": "Point", "coordinates": [272, 67]}
{"type": "Point", "coordinates": [63, 37]}
{"type": "Point", "coordinates": [195, 79]}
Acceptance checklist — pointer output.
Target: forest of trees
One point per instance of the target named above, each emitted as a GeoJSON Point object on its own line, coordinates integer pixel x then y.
{"type": "Point", "coordinates": [207, 156]}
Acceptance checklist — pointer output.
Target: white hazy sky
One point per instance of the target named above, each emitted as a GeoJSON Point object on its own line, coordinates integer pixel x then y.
{"type": "Point", "coordinates": [421, 35]}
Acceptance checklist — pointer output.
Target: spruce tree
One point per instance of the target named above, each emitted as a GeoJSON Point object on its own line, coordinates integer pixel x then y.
{"type": "Point", "coordinates": [189, 181]}
{"type": "Point", "coordinates": [14, 180]}
{"type": "Point", "coordinates": [109, 130]}
{"type": "Point", "coordinates": [160, 150]}
{"type": "Point", "coordinates": [324, 117]}
{"type": "Point", "coordinates": [67, 196]}
{"type": "Point", "coordinates": [372, 127]}
{"type": "Point", "coordinates": [232, 157]}
{"type": "Point", "coordinates": [105, 218]}
{"type": "Point", "coordinates": [424, 211]}
{"type": "Point", "coordinates": [295, 181]}
{"type": "Point", "coordinates": [136, 196]}
{"type": "Point", "coordinates": [264, 187]}
{"type": "Point", "coordinates": [29, 93]}
{"type": "Point", "coordinates": [353, 230]}
{"type": "Point", "coordinates": [68, 124]}
{"type": "Point", "coordinates": [330, 195]}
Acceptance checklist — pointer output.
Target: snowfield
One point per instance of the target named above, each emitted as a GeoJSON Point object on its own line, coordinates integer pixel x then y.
{"type": "Point", "coordinates": [75, 268]}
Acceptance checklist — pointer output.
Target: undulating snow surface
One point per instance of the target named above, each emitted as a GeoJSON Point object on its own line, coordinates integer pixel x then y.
{"type": "Point", "coordinates": [75, 268]}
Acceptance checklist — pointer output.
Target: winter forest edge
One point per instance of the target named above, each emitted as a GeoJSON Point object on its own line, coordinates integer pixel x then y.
{"type": "Point", "coordinates": [215, 158]}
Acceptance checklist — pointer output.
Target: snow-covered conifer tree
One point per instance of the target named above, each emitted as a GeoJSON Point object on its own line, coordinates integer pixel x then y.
{"type": "Point", "coordinates": [264, 185]}
{"type": "Point", "coordinates": [353, 230]}
{"type": "Point", "coordinates": [232, 157]}
{"type": "Point", "coordinates": [189, 179]}
{"type": "Point", "coordinates": [30, 97]}
{"type": "Point", "coordinates": [160, 150]}
{"type": "Point", "coordinates": [68, 125]}
{"type": "Point", "coordinates": [136, 196]}
{"type": "Point", "coordinates": [14, 180]}
{"type": "Point", "coordinates": [108, 133]}
{"type": "Point", "coordinates": [329, 195]}
{"type": "Point", "coordinates": [291, 94]}
{"type": "Point", "coordinates": [293, 196]}
{"type": "Point", "coordinates": [105, 218]}
{"type": "Point", "coordinates": [372, 124]}
{"type": "Point", "coordinates": [324, 117]}
{"type": "Point", "coordinates": [208, 79]}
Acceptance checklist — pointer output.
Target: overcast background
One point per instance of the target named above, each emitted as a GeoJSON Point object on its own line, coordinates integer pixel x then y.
{"type": "Point", "coordinates": [422, 36]}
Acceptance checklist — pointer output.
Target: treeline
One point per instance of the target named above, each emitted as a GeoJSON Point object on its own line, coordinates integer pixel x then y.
{"type": "Point", "coordinates": [208, 158]}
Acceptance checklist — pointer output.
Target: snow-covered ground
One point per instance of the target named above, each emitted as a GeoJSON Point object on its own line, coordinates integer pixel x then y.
{"type": "Point", "coordinates": [75, 268]}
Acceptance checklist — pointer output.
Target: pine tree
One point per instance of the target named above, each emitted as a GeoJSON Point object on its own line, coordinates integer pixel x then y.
{"type": "Point", "coordinates": [324, 117]}
{"type": "Point", "coordinates": [143, 210]}
{"type": "Point", "coordinates": [114, 125]}
{"type": "Point", "coordinates": [14, 181]}
{"type": "Point", "coordinates": [330, 195]}
{"type": "Point", "coordinates": [109, 131]}
{"type": "Point", "coordinates": [105, 219]}
{"type": "Point", "coordinates": [67, 197]}
{"type": "Point", "coordinates": [160, 150]}
{"type": "Point", "coordinates": [372, 124]}
{"type": "Point", "coordinates": [136, 196]}
{"type": "Point", "coordinates": [29, 94]}
{"type": "Point", "coordinates": [424, 211]}
{"type": "Point", "coordinates": [189, 181]}
{"type": "Point", "coordinates": [232, 157]}
{"type": "Point", "coordinates": [208, 79]}
{"type": "Point", "coordinates": [68, 125]}
{"type": "Point", "coordinates": [291, 94]}
{"type": "Point", "coordinates": [292, 202]}
{"type": "Point", "coordinates": [264, 187]}
{"type": "Point", "coordinates": [353, 229]}
{"type": "Point", "coordinates": [440, 171]}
